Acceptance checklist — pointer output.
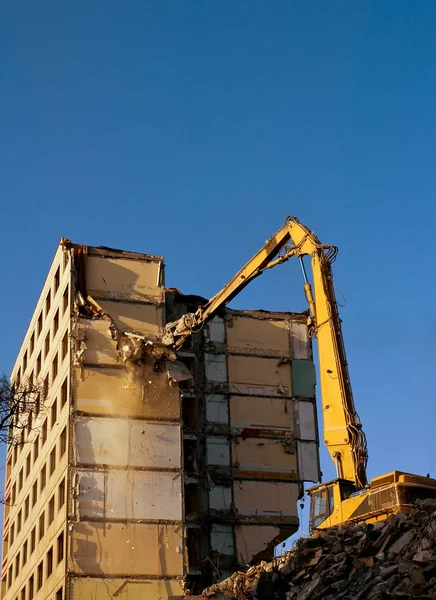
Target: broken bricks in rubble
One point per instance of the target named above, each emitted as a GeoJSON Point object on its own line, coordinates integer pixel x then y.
{"type": "Point", "coordinates": [394, 558]}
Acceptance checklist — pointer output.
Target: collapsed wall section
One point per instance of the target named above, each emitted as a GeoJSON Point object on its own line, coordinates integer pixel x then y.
{"type": "Point", "coordinates": [250, 435]}
{"type": "Point", "coordinates": [125, 512]}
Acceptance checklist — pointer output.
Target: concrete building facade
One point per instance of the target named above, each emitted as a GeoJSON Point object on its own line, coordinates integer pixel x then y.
{"type": "Point", "coordinates": [145, 473]}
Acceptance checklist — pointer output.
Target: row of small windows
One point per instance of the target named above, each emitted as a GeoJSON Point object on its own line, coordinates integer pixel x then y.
{"type": "Point", "coordinates": [54, 556]}
{"type": "Point", "coordinates": [45, 352]}
{"type": "Point", "coordinates": [53, 414]}
{"type": "Point", "coordinates": [31, 586]}
{"type": "Point", "coordinates": [23, 474]}
{"type": "Point", "coordinates": [37, 332]}
{"type": "Point", "coordinates": [37, 488]}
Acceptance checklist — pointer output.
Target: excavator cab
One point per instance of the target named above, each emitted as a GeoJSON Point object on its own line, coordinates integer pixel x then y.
{"type": "Point", "coordinates": [326, 502]}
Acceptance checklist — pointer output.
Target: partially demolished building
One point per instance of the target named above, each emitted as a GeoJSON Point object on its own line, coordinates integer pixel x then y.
{"type": "Point", "coordinates": [149, 474]}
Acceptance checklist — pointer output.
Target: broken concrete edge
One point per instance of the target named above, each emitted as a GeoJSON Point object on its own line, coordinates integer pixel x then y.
{"type": "Point", "coordinates": [131, 346]}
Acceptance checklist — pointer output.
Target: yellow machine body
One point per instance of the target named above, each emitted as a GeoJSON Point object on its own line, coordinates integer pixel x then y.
{"type": "Point", "coordinates": [336, 502]}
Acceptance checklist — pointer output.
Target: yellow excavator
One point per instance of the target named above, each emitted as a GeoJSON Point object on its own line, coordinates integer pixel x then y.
{"type": "Point", "coordinates": [349, 497]}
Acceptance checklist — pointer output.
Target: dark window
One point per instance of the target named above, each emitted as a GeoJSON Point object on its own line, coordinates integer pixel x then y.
{"type": "Point", "coordinates": [31, 587]}
{"type": "Point", "coordinates": [41, 526]}
{"type": "Point", "coordinates": [24, 362]}
{"type": "Point", "coordinates": [24, 554]}
{"type": "Point", "coordinates": [46, 386]}
{"type": "Point", "coordinates": [51, 509]}
{"type": "Point", "coordinates": [39, 326]}
{"type": "Point", "coordinates": [52, 461]}
{"type": "Point", "coordinates": [34, 493]}
{"type": "Point", "coordinates": [44, 433]}
{"type": "Point", "coordinates": [63, 442]}
{"type": "Point", "coordinates": [17, 565]}
{"type": "Point", "coordinates": [48, 303]}
{"type": "Point", "coordinates": [33, 540]}
{"type": "Point", "coordinates": [35, 449]}
{"type": "Point", "coordinates": [64, 393]}
{"type": "Point", "coordinates": [56, 323]}
{"type": "Point", "coordinates": [59, 594]}
{"type": "Point", "coordinates": [43, 478]}
{"type": "Point", "coordinates": [54, 412]}
{"type": "Point", "coordinates": [60, 547]}
{"type": "Point", "coordinates": [49, 562]}
{"type": "Point", "coordinates": [40, 575]}
{"type": "Point", "coordinates": [65, 299]}
{"type": "Point", "coordinates": [38, 364]}
{"type": "Point", "coordinates": [57, 279]}
{"type": "Point", "coordinates": [61, 494]}
{"type": "Point", "coordinates": [26, 507]}
{"type": "Point", "coordinates": [29, 429]}
{"type": "Point", "coordinates": [47, 345]}
{"type": "Point", "coordinates": [32, 343]}
{"type": "Point", "coordinates": [65, 345]}
{"type": "Point", "coordinates": [28, 464]}
{"type": "Point", "coordinates": [54, 368]}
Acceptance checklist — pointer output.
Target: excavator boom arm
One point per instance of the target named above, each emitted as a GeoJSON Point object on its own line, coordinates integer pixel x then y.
{"type": "Point", "coordinates": [343, 433]}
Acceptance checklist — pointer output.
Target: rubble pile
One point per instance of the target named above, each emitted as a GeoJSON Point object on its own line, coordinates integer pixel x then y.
{"type": "Point", "coordinates": [394, 558]}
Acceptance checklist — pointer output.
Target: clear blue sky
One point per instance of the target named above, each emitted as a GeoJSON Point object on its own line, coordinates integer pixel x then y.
{"type": "Point", "coordinates": [191, 129]}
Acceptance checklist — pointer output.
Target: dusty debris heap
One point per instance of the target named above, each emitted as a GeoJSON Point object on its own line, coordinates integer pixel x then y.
{"type": "Point", "coordinates": [395, 558]}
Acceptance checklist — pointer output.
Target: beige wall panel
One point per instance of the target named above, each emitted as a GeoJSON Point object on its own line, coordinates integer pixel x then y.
{"type": "Point", "coordinates": [140, 318]}
{"type": "Point", "coordinates": [252, 539]}
{"type": "Point", "coordinates": [300, 341]}
{"type": "Point", "coordinates": [130, 391]}
{"type": "Point", "coordinates": [308, 461]}
{"type": "Point", "coordinates": [155, 445]}
{"type": "Point", "coordinates": [122, 278]}
{"type": "Point", "coordinates": [126, 549]}
{"type": "Point", "coordinates": [306, 420]}
{"type": "Point", "coordinates": [261, 413]}
{"type": "Point", "coordinates": [124, 589]}
{"type": "Point", "coordinates": [102, 440]}
{"type": "Point", "coordinates": [254, 336]}
{"type": "Point", "coordinates": [255, 454]}
{"type": "Point", "coordinates": [123, 442]}
{"type": "Point", "coordinates": [265, 498]}
{"type": "Point", "coordinates": [100, 347]}
{"type": "Point", "coordinates": [119, 494]}
{"type": "Point", "coordinates": [259, 376]}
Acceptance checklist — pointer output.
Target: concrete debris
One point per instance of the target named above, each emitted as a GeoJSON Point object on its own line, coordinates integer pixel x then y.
{"type": "Point", "coordinates": [177, 371]}
{"type": "Point", "coordinates": [395, 558]}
